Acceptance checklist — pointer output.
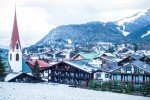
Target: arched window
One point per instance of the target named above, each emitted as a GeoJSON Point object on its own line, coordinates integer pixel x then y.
{"type": "Point", "coordinates": [17, 46]}
{"type": "Point", "coordinates": [17, 57]}
{"type": "Point", "coordinates": [10, 57]}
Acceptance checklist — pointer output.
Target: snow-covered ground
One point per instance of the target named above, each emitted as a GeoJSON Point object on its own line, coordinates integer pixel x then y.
{"type": "Point", "coordinates": [39, 91]}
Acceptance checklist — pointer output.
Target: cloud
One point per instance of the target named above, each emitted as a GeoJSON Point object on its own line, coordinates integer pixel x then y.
{"type": "Point", "coordinates": [37, 17]}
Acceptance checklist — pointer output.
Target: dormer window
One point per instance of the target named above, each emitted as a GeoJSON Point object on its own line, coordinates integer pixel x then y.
{"type": "Point", "coordinates": [17, 46]}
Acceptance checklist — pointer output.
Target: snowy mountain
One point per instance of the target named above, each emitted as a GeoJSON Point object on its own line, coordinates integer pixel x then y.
{"type": "Point", "coordinates": [137, 24]}
{"type": "Point", "coordinates": [133, 29]}
{"type": "Point", "coordinates": [83, 34]}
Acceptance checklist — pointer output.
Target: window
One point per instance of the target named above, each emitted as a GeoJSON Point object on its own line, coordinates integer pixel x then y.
{"type": "Point", "coordinates": [128, 69]}
{"type": "Point", "coordinates": [72, 74]}
{"type": "Point", "coordinates": [136, 78]}
{"type": "Point", "coordinates": [136, 70]}
{"type": "Point", "coordinates": [125, 78]}
{"type": "Point", "coordinates": [98, 75]}
{"type": "Point", "coordinates": [10, 57]}
{"type": "Point", "coordinates": [17, 57]}
{"type": "Point", "coordinates": [17, 46]}
{"type": "Point", "coordinates": [106, 75]}
{"type": "Point", "coordinates": [114, 77]}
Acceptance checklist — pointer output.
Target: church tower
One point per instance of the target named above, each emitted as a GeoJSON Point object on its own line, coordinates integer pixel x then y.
{"type": "Point", "coordinates": [15, 53]}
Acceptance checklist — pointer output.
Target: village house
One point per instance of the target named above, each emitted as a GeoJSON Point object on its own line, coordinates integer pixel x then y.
{"type": "Point", "coordinates": [23, 78]}
{"type": "Point", "coordinates": [135, 71]}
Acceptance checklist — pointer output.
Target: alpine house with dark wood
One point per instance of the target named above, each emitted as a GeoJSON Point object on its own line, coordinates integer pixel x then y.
{"type": "Point", "coordinates": [74, 72]}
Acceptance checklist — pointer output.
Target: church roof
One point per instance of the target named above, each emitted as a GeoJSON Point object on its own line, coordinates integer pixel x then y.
{"type": "Point", "coordinates": [15, 34]}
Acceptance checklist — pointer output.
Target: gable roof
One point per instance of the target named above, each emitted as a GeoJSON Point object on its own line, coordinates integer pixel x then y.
{"type": "Point", "coordinates": [137, 56]}
{"type": "Point", "coordinates": [137, 63]}
{"type": "Point", "coordinates": [12, 76]}
{"type": "Point", "coordinates": [89, 55]}
{"type": "Point", "coordinates": [142, 65]}
{"type": "Point", "coordinates": [148, 56]}
{"type": "Point", "coordinates": [110, 67]}
{"type": "Point", "coordinates": [42, 64]}
{"type": "Point", "coordinates": [82, 64]}
{"type": "Point", "coordinates": [79, 64]}
{"type": "Point", "coordinates": [107, 55]}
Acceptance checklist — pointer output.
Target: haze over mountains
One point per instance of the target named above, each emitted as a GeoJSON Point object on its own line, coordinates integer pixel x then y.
{"type": "Point", "coordinates": [132, 29]}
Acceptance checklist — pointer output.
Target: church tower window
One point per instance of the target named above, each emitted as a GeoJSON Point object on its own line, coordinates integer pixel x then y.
{"type": "Point", "coordinates": [17, 46]}
{"type": "Point", "coordinates": [17, 57]}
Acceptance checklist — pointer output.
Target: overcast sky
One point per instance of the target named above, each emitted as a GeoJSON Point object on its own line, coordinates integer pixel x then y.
{"type": "Point", "coordinates": [37, 17]}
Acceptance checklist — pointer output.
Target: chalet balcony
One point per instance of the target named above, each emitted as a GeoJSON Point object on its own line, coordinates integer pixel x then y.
{"type": "Point", "coordinates": [73, 77]}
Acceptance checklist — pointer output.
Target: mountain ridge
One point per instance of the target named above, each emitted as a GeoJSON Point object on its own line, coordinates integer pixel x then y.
{"type": "Point", "coordinates": [92, 32]}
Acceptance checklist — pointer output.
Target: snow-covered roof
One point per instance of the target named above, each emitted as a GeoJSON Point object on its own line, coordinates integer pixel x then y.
{"type": "Point", "coordinates": [90, 55]}
{"type": "Point", "coordinates": [105, 54]}
{"type": "Point", "coordinates": [82, 64]}
{"type": "Point", "coordinates": [142, 65]}
{"type": "Point", "coordinates": [14, 75]}
{"type": "Point", "coordinates": [11, 76]}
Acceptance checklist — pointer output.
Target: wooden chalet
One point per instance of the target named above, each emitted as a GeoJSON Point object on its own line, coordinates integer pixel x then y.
{"type": "Point", "coordinates": [133, 57]}
{"type": "Point", "coordinates": [22, 77]}
{"type": "Point", "coordinates": [136, 71]}
{"type": "Point", "coordinates": [74, 72]}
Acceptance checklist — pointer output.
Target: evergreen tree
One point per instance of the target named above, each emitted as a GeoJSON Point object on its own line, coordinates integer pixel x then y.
{"type": "Point", "coordinates": [36, 70]}
{"type": "Point", "coordinates": [2, 70]}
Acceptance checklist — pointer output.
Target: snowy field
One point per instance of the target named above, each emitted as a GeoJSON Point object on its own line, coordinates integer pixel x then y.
{"type": "Point", "coordinates": [39, 91]}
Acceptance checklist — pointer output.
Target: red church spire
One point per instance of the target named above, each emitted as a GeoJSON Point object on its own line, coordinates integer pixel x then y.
{"type": "Point", "coordinates": [15, 34]}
